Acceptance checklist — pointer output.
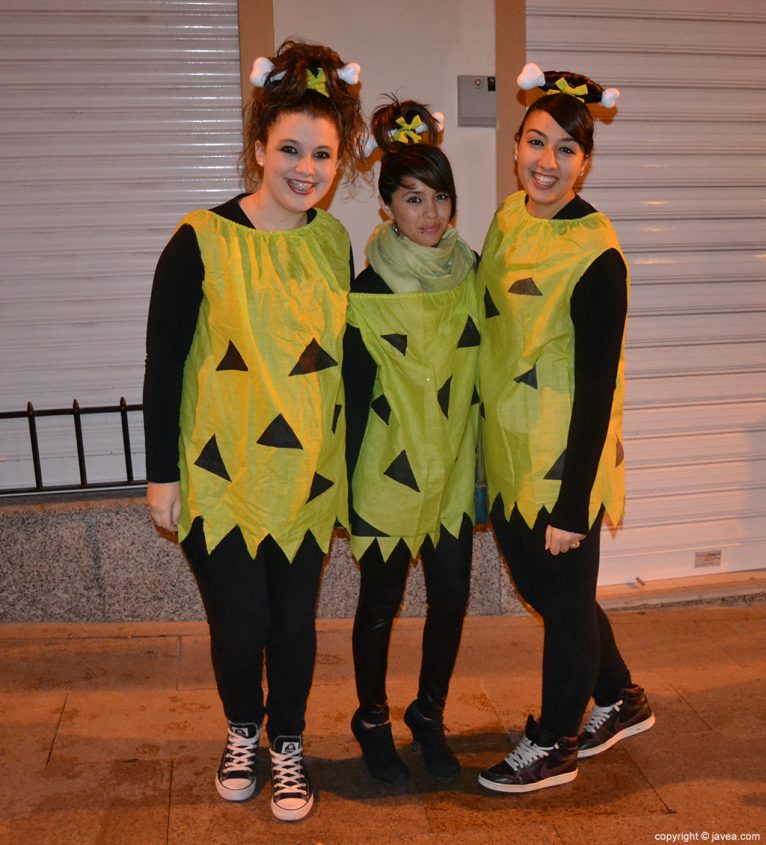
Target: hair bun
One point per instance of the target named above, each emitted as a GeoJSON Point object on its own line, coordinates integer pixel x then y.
{"type": "Point", "coordinates": [396, 124]}
{"type": "Point", "coordinates": [566, 82]}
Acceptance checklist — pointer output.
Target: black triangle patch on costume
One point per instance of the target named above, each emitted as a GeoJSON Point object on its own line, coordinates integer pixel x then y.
{"type": "Point", "coordinates": [398, 341]}
{"type": "Point", "coordinates": [470, 336]}
{"type": "Point", "coordinates": [443, 396]}
{"type": "Point", "coordinates": [211, 460]}
{"type": "Point", "coordinates": [336, 417]}
{"type": "Point", "coordinates": [318, 486]}
{"type": "Point", "coordinates": [556, 472]}
{"type": "Point", "coordinates": [620, 453]}
{"type": "Point", "coordinates": [401, 471]}
{"type": "Point", "coordinates": [232, 360]}
{"type": "Point", "coordinates": [313, 358]}
{"type": "Point", "coordinates": [279, 434]}
{"type": "Point", "coordinates": [475, 398]}
{"type": "Point", "coordinates": [381, 408]}
{"type": "Point", "coordinates": [530, 377]}
{"type": "Point", "coordinates": [525, 287]}
{"type": "Point", "coordinates": [362, 528]}
{"type": "Point", "coordinates": [490, 309]}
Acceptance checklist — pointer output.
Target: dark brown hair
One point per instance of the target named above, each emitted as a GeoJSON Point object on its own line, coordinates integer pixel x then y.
{"type": "Point", "coordinates": [290, 94]}
{"type": "Point", "coordinates": [572, 115]}
{"type": "Point", "coordinates": [401, 161]}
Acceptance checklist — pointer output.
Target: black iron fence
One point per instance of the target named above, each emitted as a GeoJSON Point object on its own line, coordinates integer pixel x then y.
{"type": "Point", "coordinates": [77, 413]}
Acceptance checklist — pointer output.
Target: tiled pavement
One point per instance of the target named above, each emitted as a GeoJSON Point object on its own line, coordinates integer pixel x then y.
{"type": "Point", "coordinates": [110, 733]}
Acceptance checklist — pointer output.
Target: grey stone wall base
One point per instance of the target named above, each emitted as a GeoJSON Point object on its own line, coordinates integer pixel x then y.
{"type": "Point", "coordinates": [98, 558]}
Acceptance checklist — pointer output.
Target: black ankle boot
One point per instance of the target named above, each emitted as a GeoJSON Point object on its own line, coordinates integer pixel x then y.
{"type": "Point", "coordinates": [429, 735]}
{"type": "Point", "coordinates": [378, 751]}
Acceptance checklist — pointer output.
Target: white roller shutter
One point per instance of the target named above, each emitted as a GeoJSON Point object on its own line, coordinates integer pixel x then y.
{"type": "Point", "coordinates": [681, 170]}
{"type": "Point", "coordinates": [117, 119]}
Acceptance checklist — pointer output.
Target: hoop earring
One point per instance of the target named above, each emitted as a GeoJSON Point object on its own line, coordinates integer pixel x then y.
{"type": "Point", "coordinates": [396, 228]}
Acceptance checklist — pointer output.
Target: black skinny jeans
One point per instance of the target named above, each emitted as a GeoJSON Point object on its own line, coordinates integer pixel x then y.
{"type": "Point", "coordinates": [265, 605]}
{"type": "Point", "coordinates": [580, 656]}
{"type": "Point", "coordinates": [447, 570]}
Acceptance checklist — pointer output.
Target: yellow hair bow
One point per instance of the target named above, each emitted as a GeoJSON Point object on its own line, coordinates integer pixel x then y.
{"type": "Point", "coordinates": [407, 131]}
{"type": "Point", "coordinates": [316, 82]}
{"type": "Point", "coordinates": [565, 88]}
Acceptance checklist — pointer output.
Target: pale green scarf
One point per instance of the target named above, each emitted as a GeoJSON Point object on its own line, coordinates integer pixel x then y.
{"type": "Point", "coordinates": [407, 267]}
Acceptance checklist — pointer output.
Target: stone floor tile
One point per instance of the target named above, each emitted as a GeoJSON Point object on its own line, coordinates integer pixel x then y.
{"type": "Point", "coordinates": [344, 803]}
{"type": "Point", "coordinates": [491, 649]}
{"type": "Point", "coordinates": [114, 803]}
{"type": "Point", "coordinates": [137, 724]}
{"type": "Point", "coordinates": [195, 669]}
{"type": "Point", "coordinates": [151, 748]}
{"type": "Point", "coordinates": [88, 664]}
{"type": "Point", "coordinates": [619, 828]}
{"type": "Point", "coordinates": [28, 725]}
{"type": "Point", "coordinates": [743, 638]}
{"type": "Point", "coordinates": [734, 706]}
{"type": "Point", "coordinates": [715, 772]}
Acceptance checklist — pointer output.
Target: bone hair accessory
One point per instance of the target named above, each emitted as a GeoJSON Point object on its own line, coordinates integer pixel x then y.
{"type": "Point", "coordinates": [372, 145]}
{"type": "Point", "coordinates": [566, 82]}
{"type": "Point", "coordinates": [263, 67]}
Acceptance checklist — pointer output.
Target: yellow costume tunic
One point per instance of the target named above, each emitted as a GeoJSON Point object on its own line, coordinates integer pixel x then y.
{"type": "Point", "coordinates": [415, 471]}
{"type": "Point", "coordinates": [528, 272]}
{"type": "Point", "coordinates": [262, 428]}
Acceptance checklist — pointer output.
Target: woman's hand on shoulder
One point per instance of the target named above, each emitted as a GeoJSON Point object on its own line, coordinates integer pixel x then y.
{"type": "Point", "coordinates": [559, 542]}
{"type": "Point", "coordinates": [164, 502]}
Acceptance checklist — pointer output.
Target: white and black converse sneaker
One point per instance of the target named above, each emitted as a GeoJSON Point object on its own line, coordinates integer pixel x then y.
{"type": "Point", "coordinates": [291, 795]}
{"type": "Point", "coordinates": [235, 779]}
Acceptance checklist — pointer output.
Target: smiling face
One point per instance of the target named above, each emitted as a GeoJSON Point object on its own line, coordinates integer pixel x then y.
{"type": "Point", "coordinates": [421, 213]}
{"type": "Point", "coordinates": [299, 161]}
{"type": "Point", "coordinates": [549, 163]}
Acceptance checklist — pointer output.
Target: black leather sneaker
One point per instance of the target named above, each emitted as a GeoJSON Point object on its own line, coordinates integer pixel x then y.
{"type": "Point", "coordinates": [629, 715]}
{"type": "Point", "coordinates": [537, 762]}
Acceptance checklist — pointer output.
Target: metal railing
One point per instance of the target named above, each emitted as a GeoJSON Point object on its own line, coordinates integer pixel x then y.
{"type": "Point", "coordinates": [76, 412]}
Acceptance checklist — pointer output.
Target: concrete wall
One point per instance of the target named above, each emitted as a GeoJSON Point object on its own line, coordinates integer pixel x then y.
{"type": "Point", "coordinates": [99, 559]}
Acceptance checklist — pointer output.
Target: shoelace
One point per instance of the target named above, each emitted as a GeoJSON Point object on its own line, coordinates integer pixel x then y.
{"type": "Point", "coordinates": [287, 774]}
{"type": "Point", "coordinates": [600, 715]}
{"type": "Point", "coordinates": [525, 752]}
{"type": "Point", "coordinates": [240, 753]}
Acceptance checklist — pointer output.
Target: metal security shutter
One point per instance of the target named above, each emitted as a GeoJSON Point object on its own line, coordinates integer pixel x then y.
{"type": "Point", "coordinates": [117, 119]}
{"type": "Point", "coordinates": [681, 171]}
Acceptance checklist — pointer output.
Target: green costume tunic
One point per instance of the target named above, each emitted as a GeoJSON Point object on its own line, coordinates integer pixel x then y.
{"type": "Point", "coordinates": [529, 269]}
{"type": "Point", "coordinates": [415, 471]}
{"type": "Point", "coordinates": [262, 433]}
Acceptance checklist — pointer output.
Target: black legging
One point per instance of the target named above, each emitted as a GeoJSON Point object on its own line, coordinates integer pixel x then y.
{"type": "Point", "coordinates": [447, 570]}
{"type": "Point", "coordinates": [265, 605]}
{"type": "Point", "coordinates": [580, 656]}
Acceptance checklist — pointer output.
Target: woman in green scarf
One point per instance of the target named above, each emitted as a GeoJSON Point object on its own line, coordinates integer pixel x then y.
{"type": "Point", "coordinates": [410, 360]}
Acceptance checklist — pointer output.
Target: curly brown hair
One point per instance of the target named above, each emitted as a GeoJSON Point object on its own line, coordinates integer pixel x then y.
{"type": "Point", "coordinates": [290, 94]}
